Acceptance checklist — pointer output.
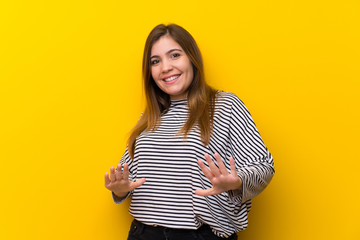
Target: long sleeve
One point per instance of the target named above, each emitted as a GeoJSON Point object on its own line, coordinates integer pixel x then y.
{"type": "Point", "coordinates": [254, 162]}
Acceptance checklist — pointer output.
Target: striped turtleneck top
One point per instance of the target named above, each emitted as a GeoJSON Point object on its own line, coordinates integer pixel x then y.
{"type": "Point", "coordinates": [168, 161]}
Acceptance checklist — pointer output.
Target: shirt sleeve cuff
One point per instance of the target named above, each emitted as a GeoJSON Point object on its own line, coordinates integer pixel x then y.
{"type": "Point", "coordinates": [119, 200]}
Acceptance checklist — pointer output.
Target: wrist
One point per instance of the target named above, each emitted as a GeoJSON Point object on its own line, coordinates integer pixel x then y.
{"type": "Point", "coordinates": [120, 194]}
{"type": "Point", "coordinates": [237, 185]}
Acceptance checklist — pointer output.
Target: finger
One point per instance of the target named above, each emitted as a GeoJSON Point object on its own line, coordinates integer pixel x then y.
{"type": "Point", "coordinates": [112, 174]}
{"type": "Point", "coordinates": [107, 180]}
{"type": "Point", "coordinates": [126, 172]}
{"type": "Point", "coordinates": [137, 184]}
{"type": "Point", "coordinates": [205, 192]}
{"type": "Point", "coordinates": [221, 165]}
{"type": "Point", "coordinates": [232, 166]}
{"type": "Point", "coordinates": [118, 172]}
{"type": "Point", "coordinates": [205, 170]}
{"type": "Point", "coordinates": [213, 168]}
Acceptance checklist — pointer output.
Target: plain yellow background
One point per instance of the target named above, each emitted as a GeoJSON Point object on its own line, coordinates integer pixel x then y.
{"type": "Point", "coordinates": [70, 74]}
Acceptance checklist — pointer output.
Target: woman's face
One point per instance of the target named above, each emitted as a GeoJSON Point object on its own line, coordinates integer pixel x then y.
{"type": "Point", "coordinates": [171, 68]}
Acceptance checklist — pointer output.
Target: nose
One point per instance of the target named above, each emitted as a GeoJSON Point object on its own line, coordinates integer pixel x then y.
{"type": "Point", "coordinates": [166, 66]}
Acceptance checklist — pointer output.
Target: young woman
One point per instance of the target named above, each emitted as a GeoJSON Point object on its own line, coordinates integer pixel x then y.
{"type": "Point", "coordinates": [195, 159]}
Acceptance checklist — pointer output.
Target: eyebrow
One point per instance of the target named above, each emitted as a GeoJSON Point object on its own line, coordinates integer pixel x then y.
{"type": "Point", "coordinates": [168, 52]}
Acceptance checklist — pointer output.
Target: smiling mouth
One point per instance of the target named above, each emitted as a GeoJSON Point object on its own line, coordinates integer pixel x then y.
{"type": "Point", "coordinates": [171, 78]}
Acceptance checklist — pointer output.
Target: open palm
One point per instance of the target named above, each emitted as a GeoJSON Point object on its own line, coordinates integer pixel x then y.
{"type": "Point", "coordinates": [119, 182]}
{"type": "Point", "coordinates": [221, 179]}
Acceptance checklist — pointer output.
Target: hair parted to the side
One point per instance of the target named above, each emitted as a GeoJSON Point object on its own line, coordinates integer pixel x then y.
{"type": "Point", "coordinates": [201, 97]}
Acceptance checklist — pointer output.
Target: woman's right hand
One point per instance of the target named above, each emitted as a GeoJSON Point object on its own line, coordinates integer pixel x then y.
{"type": "Point", "coordinates": [119, 182]}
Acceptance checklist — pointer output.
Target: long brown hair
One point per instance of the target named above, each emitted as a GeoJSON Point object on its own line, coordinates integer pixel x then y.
{"type": "Point", "coordinates": [201, 97]}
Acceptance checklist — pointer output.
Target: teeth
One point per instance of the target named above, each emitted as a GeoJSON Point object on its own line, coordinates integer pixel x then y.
{"type": "Point", "coordinates": [171, 78]}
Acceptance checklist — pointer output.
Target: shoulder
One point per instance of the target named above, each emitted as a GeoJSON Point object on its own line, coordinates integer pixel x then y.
{"type": "Point", "coordinates": [228, 98]}
{"type": "Point", "coordinates": [231, 102]}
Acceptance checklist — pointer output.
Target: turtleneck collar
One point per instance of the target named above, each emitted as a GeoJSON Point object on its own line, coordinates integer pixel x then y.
{"type": "Point", "coordinates": [178, 102]}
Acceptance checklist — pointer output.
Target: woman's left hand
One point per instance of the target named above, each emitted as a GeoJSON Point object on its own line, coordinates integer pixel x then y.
{"type": "Point", "coordinates": [219, 177]}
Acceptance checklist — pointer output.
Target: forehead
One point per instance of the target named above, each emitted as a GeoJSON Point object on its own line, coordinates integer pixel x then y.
{"type": "Point", "coordinates": [164, 45]}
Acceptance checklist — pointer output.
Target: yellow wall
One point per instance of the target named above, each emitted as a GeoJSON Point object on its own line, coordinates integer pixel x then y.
{"type": "Point", "coordinates": [71, 90]}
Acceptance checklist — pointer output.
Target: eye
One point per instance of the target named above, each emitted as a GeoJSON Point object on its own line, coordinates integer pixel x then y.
{"type": "Point", "coordinates": [175, 55]}
{"type": "Point", "coordinates": [155, 61]}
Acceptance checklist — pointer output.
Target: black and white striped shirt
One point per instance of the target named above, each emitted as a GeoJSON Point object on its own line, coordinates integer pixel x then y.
{"type": "Point", "coordinates": [168, 161]}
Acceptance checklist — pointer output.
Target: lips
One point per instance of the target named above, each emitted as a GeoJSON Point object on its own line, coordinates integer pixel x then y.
{"type": "Point", "coordinates": [171, 78]}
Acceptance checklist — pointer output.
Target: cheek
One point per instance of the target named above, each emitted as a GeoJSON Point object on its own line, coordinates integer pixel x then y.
{"type": "Point", "coordinates": [189, 69]}
{"type": "Point", "coordinates": [190, 74]}
{"type": "Point", "coordinates": [154, 73]}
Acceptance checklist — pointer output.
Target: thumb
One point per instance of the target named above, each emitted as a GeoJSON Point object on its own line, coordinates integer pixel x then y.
{"type": "Point", "coordinates": [138, 183]}
{"type": "Point", "coordinates": [205, 192]}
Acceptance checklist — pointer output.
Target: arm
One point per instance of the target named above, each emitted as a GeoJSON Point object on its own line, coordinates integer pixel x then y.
{"type": "Point", "coordinates": [251, 166]}
{"type": "Point", "coordinates": [254, 162]}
